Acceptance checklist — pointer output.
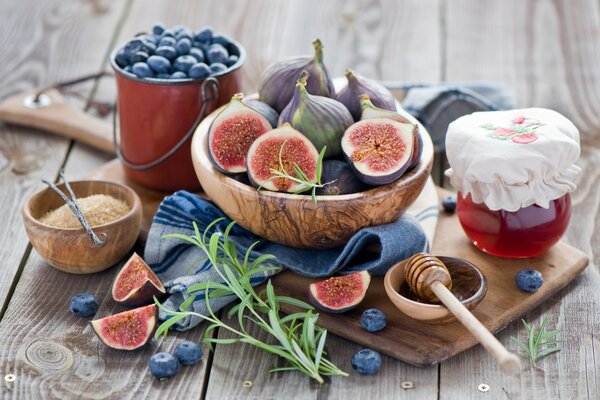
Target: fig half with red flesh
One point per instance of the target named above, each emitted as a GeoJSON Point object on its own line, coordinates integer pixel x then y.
{"type": "Point", "coordinates": [379, 149]}
{"type": "Point", "coordinates": [231, 134]}
{"type": "Point", "coordinates": [136, 284]}
{"type": "Point", "coordinates": [282, 147]}
{"type": "Point", "coordinates": [128, 330]}
{"type": "Point", "coordinates": [339, 294]}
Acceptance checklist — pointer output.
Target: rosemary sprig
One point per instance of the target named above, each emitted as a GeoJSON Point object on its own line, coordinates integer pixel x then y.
{"type": "Point", "coordinates": [540, 342]}
{"type": "Point", "coordinates": [299, 176]}
{"type": "Point", "coordinates": [296, 337]}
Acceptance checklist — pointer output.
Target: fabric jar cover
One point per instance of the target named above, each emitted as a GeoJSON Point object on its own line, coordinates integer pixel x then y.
{"type": "Point", "coordinates": [513, 159]}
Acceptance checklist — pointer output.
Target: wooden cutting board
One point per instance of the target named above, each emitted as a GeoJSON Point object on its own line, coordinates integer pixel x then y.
{"type": "Point", "coordinates": [409, 340]}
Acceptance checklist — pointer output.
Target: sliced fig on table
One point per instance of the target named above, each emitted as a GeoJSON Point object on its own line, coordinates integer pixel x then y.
{"type": "Point", "coordinates": [339, 178]}
{"type": "Point", "coordinates": [379, 149]}
{"type": "Point", "coordinates": [339, 294]}
{"type": "Point", "coordinates": [369, 111]}
{"type": "Point", "coordinates": [321, 119]}
{"type": "Point", "coordinates": [277, 82]}
{"type": "Point", "coordinates": [359, 85]}
{"type": "Point", "coordinates": [128, 330]}
{"type": "Point", "coordinates": [136, 284]}
{"type": "Point", "coordinates": [285, 148]}
{"type": "Point", "coordinates": [231, 134]}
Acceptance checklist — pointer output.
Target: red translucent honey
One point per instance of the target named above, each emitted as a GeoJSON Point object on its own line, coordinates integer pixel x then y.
{"type": "Point", "coordinates": [527, 232]}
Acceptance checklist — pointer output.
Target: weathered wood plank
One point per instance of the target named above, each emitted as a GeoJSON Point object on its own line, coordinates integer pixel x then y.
{"type": "Point", "coordinates": [546, 51]}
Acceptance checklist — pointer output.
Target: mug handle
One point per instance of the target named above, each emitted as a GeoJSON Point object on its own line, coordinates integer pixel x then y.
{"type": "Point", "coordinates": [209, 91]}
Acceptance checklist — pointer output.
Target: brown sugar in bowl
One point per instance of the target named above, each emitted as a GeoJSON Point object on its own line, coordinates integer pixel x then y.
{"type": "Point", "coordinates": [71, 249]}
{"type": "Point", "coordinates": [293, 219]}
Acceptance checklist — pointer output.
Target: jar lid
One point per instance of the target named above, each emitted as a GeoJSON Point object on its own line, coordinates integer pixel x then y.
{"type": "Point", "coordinates": [513, 159]}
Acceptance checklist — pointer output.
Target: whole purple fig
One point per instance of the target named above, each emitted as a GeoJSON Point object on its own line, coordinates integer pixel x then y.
{"type": "Point", "coordinates": [276, 86]}
{"type": "Point", "coordinates": [321, 119]}
{"type": "Point", "coordinates": [359, 85]}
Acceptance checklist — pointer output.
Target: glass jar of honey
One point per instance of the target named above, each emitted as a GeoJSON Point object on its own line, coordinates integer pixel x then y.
{"type": "Point", "coordinates": [514, 171]}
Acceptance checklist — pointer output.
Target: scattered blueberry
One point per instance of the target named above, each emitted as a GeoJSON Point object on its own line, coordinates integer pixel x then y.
{"type": "Point", "coordinates": [139, 56]}
{"type": "Point", "coordinates": [183, 46]}
{"type": "Point", "coordinates": [217, 54]}
{"type": "Point", "coordinates": [167, 41]}
{"type": "Point", "coordinates": [184, 63]}
{"type": "Point", "coordinates": [449, 204]}
{"type": "Point", "coordinates": [159, 64]}
{"type": "Point", "coordinates": [163, 365]}
{"type": "Point", "coordinates": [167, 52]}
{"type": "Point", "coordinates": [232, 60]}
{"type": "Point", "coordinates": [529, 280]}
{"type": "Point", "coordinates": [220, 39]}
{"type": "Point", "coordinates": [204, 35]}
{"type": "Point", "coordinates": [158, 28]}
{"type": "Point", "coordinates": [366, 362]}
{"type": "Point", "coordinates": [199, 71]}
{"type": "Point", "coordinates": [142, 70]}
{"type": "Point", "coordinates": [373, 320]}
{"type": "Point", "coordinates": [197, 53]}
{"type": "Point", "coordinates": [188, 353]}
{"type": "Point", "coordinates": [217, 68]}
{"type": "Point", "coordinates": [120, 58]}
{"type": "Point", "coordinates": [178, 75]}
{"type": "Point", "coordinates": [83, 304]}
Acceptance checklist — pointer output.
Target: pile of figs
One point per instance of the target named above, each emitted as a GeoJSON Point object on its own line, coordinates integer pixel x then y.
{"type": "Point", "coordinates": [299, 114]}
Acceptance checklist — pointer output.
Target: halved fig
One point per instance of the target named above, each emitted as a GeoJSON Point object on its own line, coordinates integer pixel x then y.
{"type": "Point", "coordinates": [231, 134]}
{"type": "Point", "coordinates": [340, 293]}
{"type": "Point", "coordinates": [136, 283]}
{"type": "Point", "coordinates": [379, 149]}
{"type": "Point", "coordinates": [128, 330]}
{"type": "Point", "coordinates": [282, 147]}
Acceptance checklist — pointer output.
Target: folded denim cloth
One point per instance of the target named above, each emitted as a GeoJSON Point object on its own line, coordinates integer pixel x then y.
{"type": "Point", "coordinates": [180, 265]}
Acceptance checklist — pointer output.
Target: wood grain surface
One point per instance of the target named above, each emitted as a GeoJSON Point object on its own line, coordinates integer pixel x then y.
{"type": "Point", "coordinates": [546, 51]}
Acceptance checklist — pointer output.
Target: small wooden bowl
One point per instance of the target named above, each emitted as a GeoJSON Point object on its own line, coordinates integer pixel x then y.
{"type": "Point", "coordinates": [469, 285]}
{"type": "Point", "coordinates": [296, 221]}
{"type": "Point", "coordinates": [71, 249]}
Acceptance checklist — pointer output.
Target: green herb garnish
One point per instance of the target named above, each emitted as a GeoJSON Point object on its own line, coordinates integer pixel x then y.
{"type": "Point", "coordinates": [300, 177]}
{"type": "Point", "coordinates": [297, 338]}
{"type": "Point", "coordinates": [540, 342]}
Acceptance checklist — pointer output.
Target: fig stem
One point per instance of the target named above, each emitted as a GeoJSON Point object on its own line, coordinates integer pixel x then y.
{"type": "Point", "coordinates": [350, 75]}
{"type": "Point", "coordinates": [318, 46]}
{"type": "Point", "coordinates": [302, 80]}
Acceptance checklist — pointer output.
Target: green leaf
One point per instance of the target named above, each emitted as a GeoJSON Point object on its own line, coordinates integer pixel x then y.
{"type": "Point", "coordinates": [222, 341]}
{"type": "Point", "coordinates": [294, 302]}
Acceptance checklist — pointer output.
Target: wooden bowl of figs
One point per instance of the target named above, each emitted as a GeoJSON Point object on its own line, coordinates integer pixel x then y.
{"type": "Point", "coordinates": [296, 219]}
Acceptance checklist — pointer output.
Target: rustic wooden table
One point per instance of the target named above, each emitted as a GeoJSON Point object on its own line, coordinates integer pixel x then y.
{"type": "Point", "coordinates": [548, 52]}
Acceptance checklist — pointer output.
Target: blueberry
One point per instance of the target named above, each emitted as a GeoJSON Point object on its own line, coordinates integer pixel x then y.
{"type": "Point", "coordinates": [217, 54]}
{"type": "Point", "coordinates": [83, 305]}
{"type": "Point", "coordinates": [163, 365]}
{"type": "Point", "coordinates": [529, 280]}
{"type": "Point", "coordinates": [449, 204]}
{"type": "Point", "coordinates": [148, 38]}
{"type": "Point", "coordinates": [183, 46]}
{"type": "Point", "coordinates": [167, 41]}
{"type": "Point", "coordinates": [184, 63]}
{"type": "Point", "coordinates": [139, 56]}
{"type": "Point", "coordinates": [163, 76]}
{"type": "Point", "coordinates": [373, 320]}
{"type": "Point", "coordinates": [188, 353]}
{"type": "Point", "coordinates": [220, 39]}
{"type": "Point", "coordinates": [167, 52]}
{"type": "Point", "coordinates": [204, 35]}
{"type": "Point", "coordinates": [366, 362]}
{"type": "Point", "coordinates": [201, 45]}
{"type": "Point", "coordinates": [199, 71]}
{"type": "Point", "coordinates": [232, 60]}
{"type": "Point", "coordinates": [217, 68]}
{"type": "Point", "coordinates": [142, 70]}
{"type": "Point", "coordinates": [133, 46]}
{"type": "Point", "coordinates": [179, 28]}
{"type": "Point", "coordinates": [120, 58]}
{"type": "Point", "coordinates": [149, 47]}
{"type": "Point", "coordinates": [128, 69]}
{"type": "Point", "coordinates": [159, 64]}
{"type": "Point", "coordinates": [158, 28]}
{"type": "Point", "coordinates": [184, 33]}
{"type": "Point", "coordinates": [178, 75]}
{"type": "Point", "coordinates": [168, 32]}
{"type": "Point", "coordinates": [197, 53]}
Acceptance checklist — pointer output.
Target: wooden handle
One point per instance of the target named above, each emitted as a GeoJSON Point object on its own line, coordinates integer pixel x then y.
{"type": "Point", "coordinates": [508, 361]}
{"type": "Point", "coordinates": [60, 118]}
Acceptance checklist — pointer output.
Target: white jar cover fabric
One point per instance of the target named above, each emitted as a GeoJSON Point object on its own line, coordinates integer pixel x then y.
{"type": "Point", "coordinates": [513, 159]}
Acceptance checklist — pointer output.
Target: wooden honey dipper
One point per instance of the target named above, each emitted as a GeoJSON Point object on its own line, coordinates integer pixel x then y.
{"type": "Point", "coordinates": [428, 277]}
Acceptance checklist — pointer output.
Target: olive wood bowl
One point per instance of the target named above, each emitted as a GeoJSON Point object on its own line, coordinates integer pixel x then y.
{"type": "Point", "coordinates": [71, 249]}
{"type": "Point", "coordinates": [469, 285]}
{"type": "Point", "coordinates": [294, 219]}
